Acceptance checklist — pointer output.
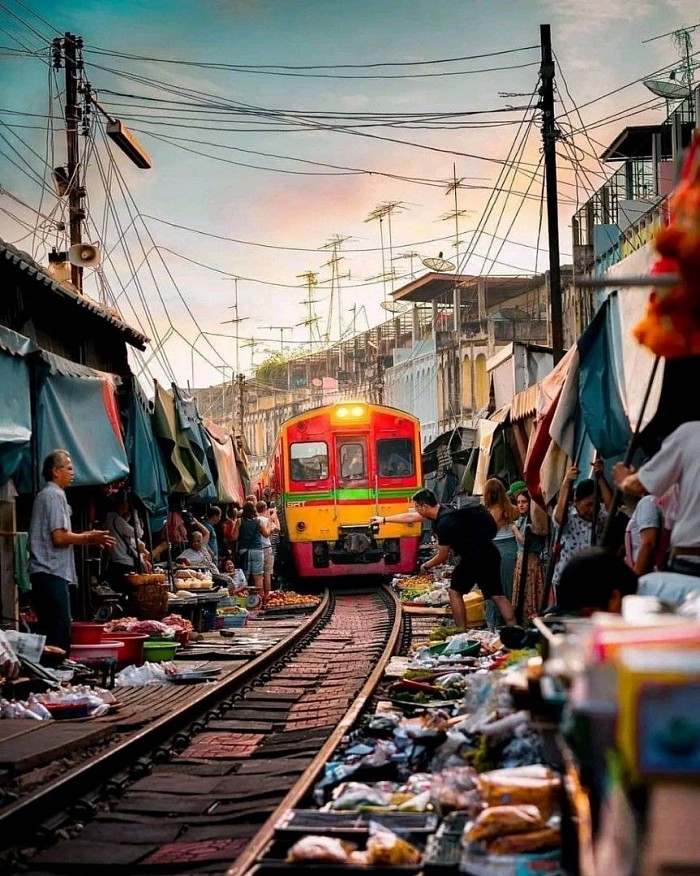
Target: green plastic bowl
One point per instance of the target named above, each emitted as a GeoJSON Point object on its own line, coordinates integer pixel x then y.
{"type": "Point", "coordinates": [158, 652]}
{"type": "Point", "coordinates": [470, 648]}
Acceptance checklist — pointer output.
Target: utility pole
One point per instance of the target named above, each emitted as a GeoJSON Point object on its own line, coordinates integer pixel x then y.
{"type": "Point", "coordinates": [76, 212]}
{"type": "Point", "coordinates": [550, 135]}
{"type": "Point", "coordinates": [240, 382]}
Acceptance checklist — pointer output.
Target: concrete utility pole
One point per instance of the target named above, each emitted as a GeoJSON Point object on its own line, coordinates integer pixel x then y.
{"type": "Point", "coordinates": [550, 135]}
{"type": "Point", "coordinates": [76, 211]}
{"type": "Point", "coordinates": [240, 382]}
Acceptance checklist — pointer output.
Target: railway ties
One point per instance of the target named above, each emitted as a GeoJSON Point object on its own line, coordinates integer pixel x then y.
{"type": "Point", "coordinates": [198, 810]}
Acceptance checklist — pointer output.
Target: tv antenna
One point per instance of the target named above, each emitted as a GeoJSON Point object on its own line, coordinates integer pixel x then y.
{"type": "Point", "coordinates": [380, 213]}
{"type": "Point", "coordinates": [237, 320]}
{"type": "Point", "coordinates": [411, 256]}
{"type": "Point", "coordinates": [311, 280]}
{"type": "Point", "coordinates": [334, 244]}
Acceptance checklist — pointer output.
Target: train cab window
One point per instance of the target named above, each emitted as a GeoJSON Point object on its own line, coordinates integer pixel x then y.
{"type": "Point", "coordinates": [351, 462]}
{"type": "Point", "coordinates": [395, 458]}
{"type": "Point", "coordinates": [309, 461]}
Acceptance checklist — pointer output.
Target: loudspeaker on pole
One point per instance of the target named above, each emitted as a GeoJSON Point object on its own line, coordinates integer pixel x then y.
{"type": "Point", "coordinates": [84, 255]}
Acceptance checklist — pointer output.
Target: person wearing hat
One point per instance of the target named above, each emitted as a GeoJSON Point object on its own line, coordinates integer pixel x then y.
{"type": "Point", "coordinates": [515, 488]}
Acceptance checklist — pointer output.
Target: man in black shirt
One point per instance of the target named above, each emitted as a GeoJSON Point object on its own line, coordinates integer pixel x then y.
{"type": "Point", "coordinates": [469, 532]}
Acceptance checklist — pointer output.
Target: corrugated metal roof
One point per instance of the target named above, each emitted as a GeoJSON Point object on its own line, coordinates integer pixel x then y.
{"type": "Point", "coordinates": [33, 269]}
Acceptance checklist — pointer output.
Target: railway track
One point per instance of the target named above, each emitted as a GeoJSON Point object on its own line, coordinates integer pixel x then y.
{"type": "Point", "coordinates": [191, 795]}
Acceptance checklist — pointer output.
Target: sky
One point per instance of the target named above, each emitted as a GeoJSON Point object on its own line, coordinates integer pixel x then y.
{"type": "Point", "coordinates": [291, 124]}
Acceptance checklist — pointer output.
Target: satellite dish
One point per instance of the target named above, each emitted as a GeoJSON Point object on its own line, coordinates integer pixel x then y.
{"type": "Point", "coordinates": [439, 264]}
{"type": "Point", "coordinates": [394, 306]}
{"type": "Point", "coordinates": [667, 89]}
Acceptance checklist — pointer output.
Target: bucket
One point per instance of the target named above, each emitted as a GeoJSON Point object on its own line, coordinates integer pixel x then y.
{"type": "Point", "coordinates": [84, 633]}
{"type": "Point", "coordinates": [132, 652]}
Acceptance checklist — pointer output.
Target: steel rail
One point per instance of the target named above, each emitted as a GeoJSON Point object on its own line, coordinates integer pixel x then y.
{"type": "Point", "coordinates": [263, 838]}
{"type": "Point", "coordinates": [21, 818]}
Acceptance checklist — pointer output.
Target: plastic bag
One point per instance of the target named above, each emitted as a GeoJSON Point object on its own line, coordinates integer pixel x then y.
{"type": "Point", "coordinates": [385, 848]}
{"type": "Point", "coordinates": [501, 820]}
{"type": "Point", "coordinates": [455, 789]}
{"type": "Point", "coordinates": [536, 785]}
{"type": "Point", "coordinates": [320, 849]}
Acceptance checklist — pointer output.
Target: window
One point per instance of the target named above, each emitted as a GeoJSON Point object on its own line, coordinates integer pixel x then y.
{"type": "Point", "coordinates": [395, 458]}
{"type": "Point", "coordinates": [351, 462]}
{"type": "Point", "coordinates": [309, 461]}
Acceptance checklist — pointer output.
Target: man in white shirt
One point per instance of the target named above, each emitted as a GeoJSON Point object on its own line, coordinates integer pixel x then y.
{"type": "Point", "coordinates": [643, 535]}
{"type": "Point", "coordinates": [677, 462]}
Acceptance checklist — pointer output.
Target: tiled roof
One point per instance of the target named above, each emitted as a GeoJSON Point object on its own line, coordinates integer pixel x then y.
{"type": "Point", "coordinates": [33, 269]}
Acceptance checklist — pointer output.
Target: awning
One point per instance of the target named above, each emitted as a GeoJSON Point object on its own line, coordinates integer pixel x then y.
{"type": "Point", "coordinates": [148, 478]}
{"type": "Point", "coordinates": [185, 474]}
{"type": "Point", "coordinates": [190, 424]}
{"type": "Point", "coordinates": [229, 483]}
{"type": "Point", "coordinates": [539, 483]}
{"type": "Point", "coordinates": [77, 411]}
{"type": "Point", "coordinates": [15, 410]}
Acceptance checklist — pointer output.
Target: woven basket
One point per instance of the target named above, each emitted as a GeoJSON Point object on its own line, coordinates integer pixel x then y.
{"type": "Point", "coordinates": [150, 601]}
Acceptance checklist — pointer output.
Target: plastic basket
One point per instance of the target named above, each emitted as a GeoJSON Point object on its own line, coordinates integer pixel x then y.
{"type": "Point", "coordinates": [231, 621]}
{"type": "Point", "coordinates": [150, 601]}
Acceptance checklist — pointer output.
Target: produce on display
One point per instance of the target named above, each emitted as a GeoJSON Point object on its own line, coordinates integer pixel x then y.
{"type": "Point", "coordinates": [289, 599]}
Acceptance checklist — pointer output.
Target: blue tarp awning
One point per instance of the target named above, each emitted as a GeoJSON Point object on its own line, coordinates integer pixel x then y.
{"type": "Point", "coordinates": [149, 480]}
{"type": "Point", "coordinates": [15, 409]}
{"type": "Point", "coordinates": [77, 411]}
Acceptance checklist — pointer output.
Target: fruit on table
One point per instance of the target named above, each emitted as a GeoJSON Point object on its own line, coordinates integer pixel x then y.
{"type": "Point", "coordinates": [289, 599]}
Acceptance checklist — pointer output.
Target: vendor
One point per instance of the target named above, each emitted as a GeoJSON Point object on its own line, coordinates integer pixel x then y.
{"type": "Point", "coordinates": [239, 584]}
{"type": "Point", "coordinates": [197, 554]}
{"type": "Point", "coordinates": [129, 553]}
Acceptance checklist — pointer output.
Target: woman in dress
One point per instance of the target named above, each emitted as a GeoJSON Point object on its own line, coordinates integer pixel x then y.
{"type": "Point", "coordinates": [528, 577]}
{"type": "Point", "coordinates": [501, 508]}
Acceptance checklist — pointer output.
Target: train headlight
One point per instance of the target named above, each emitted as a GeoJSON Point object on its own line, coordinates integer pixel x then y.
{"type": "Point", "coordinates": [350, 414]}
{"type": "Point", "coordinates": [301, 526]}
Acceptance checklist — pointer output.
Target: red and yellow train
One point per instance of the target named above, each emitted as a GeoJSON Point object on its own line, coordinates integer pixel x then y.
{"type": "Point", "coordinates": [332, 469]}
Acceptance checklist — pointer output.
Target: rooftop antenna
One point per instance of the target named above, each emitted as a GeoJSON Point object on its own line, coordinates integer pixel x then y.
{"type": "Point", "coordinates": [381, 212]}
{"type": "Point", "coordinates": [676, 87]}
{"type": "Point", "coordinates": [334, 244]}
{"type": "Point", "coordinates": [411, 256]}
{"type": "Point", "coordinates": [311, 280]}
{"type": "Point", "coordinates": [235, 321]}
{"type": "Point", "coordinates": [452, 188]}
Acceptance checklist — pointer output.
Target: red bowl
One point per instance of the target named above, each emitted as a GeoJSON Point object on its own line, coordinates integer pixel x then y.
{"type": "Point", "coordinates": [86, 633]}
{"type": "Point", "coordinates": [132, 650]}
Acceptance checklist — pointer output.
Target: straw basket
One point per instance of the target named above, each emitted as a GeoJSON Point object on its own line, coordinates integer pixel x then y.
{"type": "Point", "coordinates": [149, 596]}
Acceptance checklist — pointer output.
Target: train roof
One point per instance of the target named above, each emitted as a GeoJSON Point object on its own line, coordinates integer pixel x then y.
{"type": "Point", "coordinates": [314, 412]}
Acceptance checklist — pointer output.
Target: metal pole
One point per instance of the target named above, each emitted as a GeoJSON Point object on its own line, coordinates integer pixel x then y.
{"type": "Point", "coordinates": [76, 213]}
{"type": "Point", "coordinates": [549, 139]}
